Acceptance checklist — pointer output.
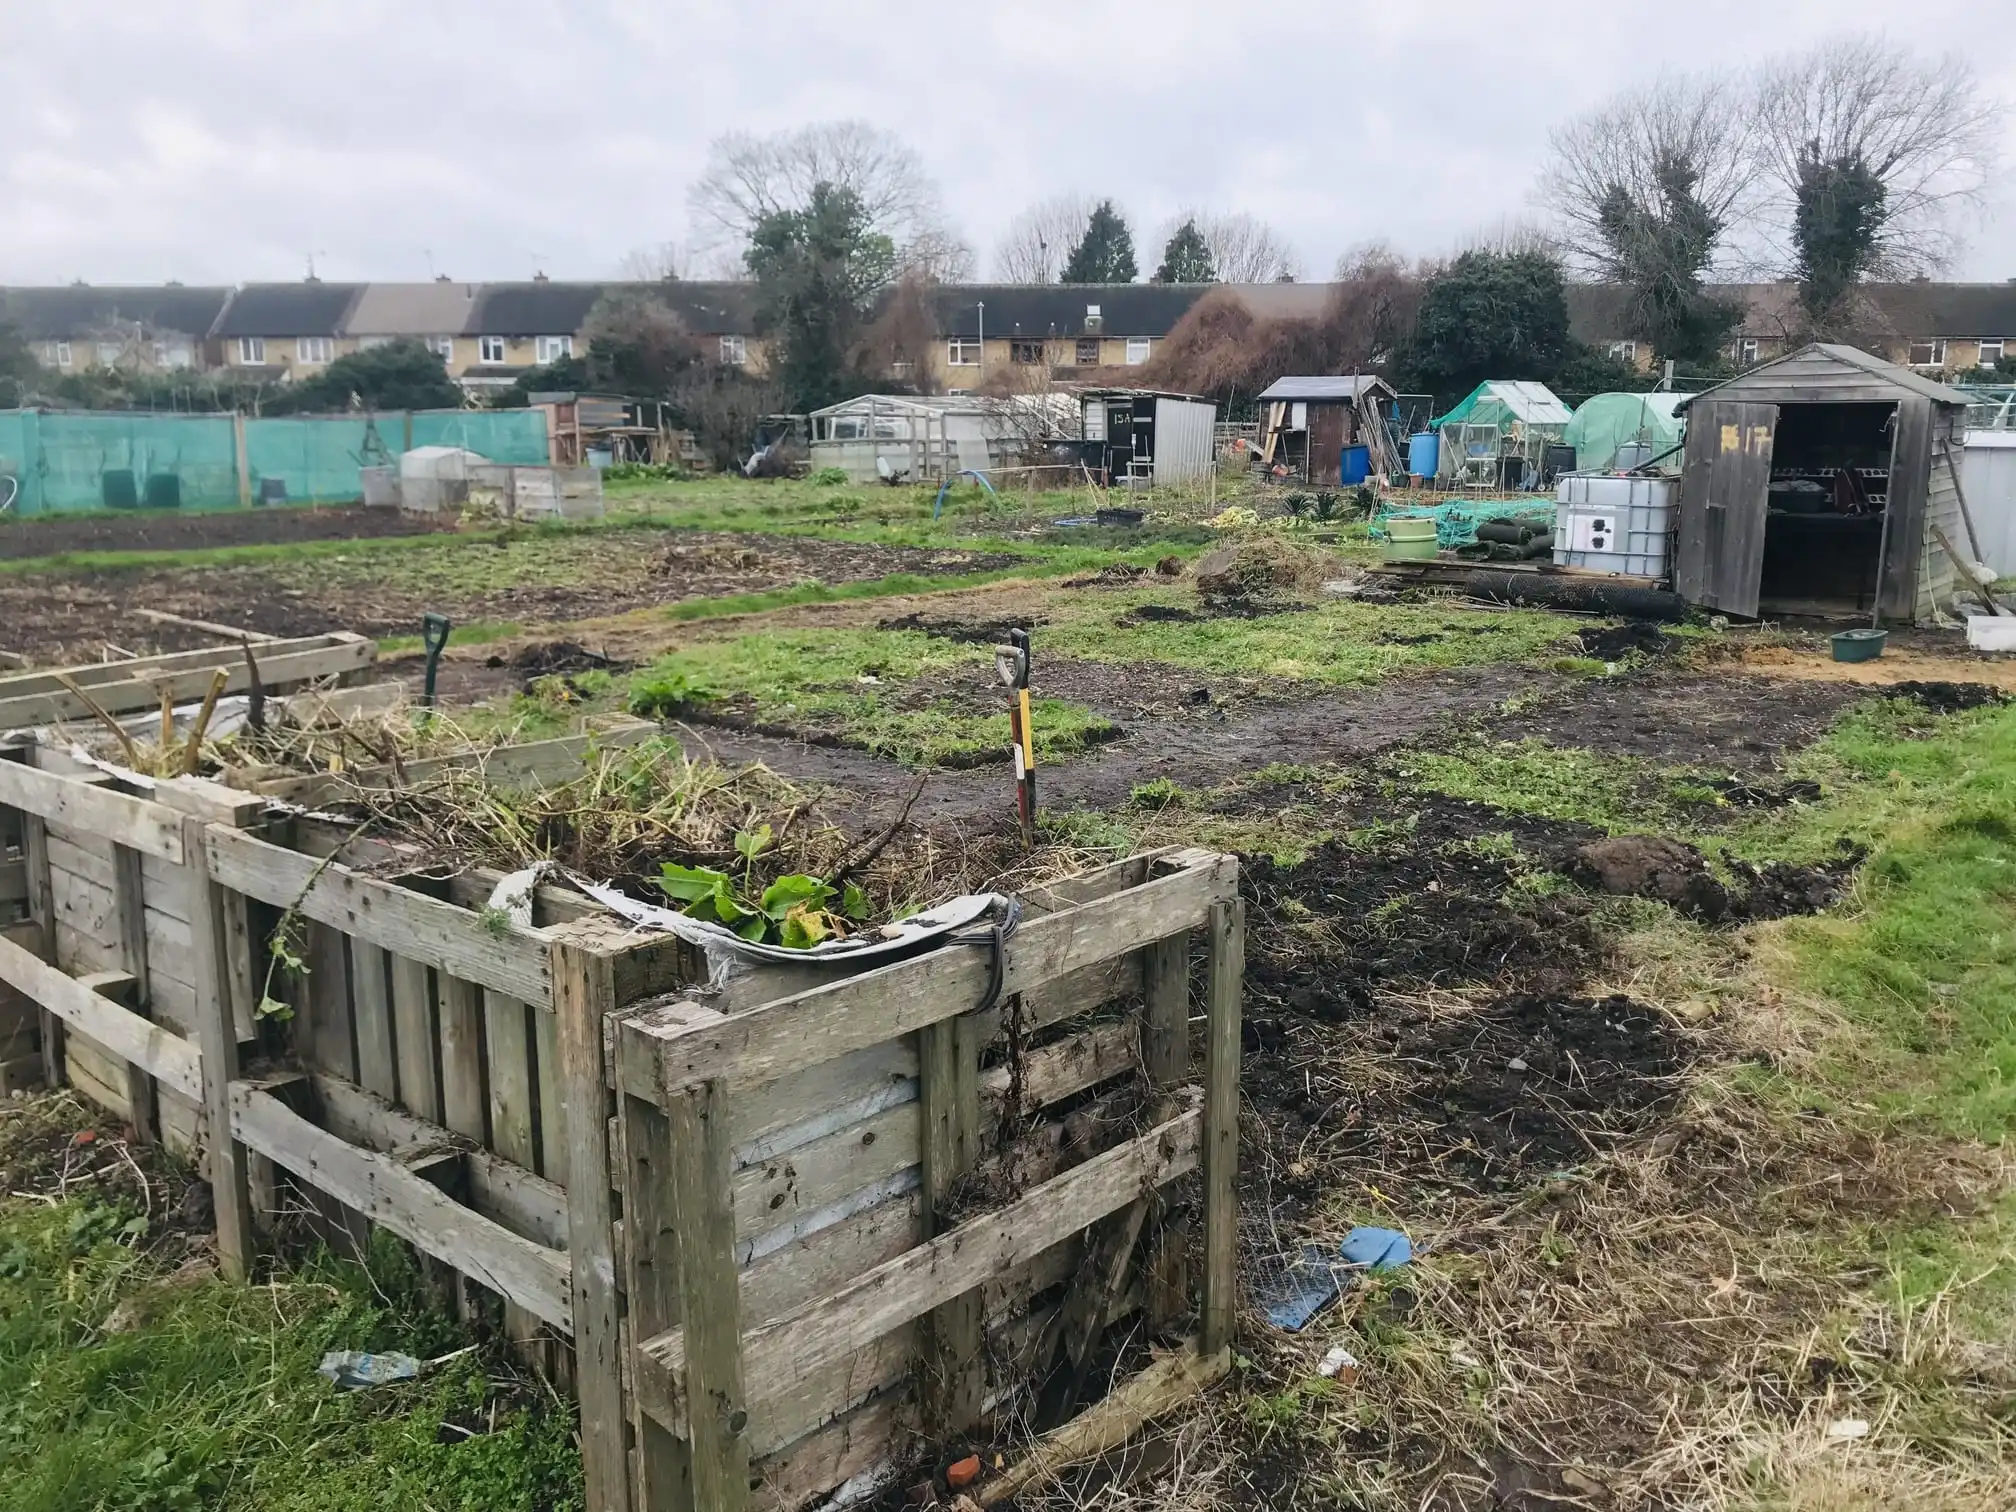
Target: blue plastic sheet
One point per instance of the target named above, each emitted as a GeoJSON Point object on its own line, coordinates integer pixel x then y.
{"type": "Point", "coordinates": [1318, 1275]}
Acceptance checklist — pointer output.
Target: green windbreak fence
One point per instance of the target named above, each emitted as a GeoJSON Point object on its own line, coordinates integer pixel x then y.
{"type": "Point", "coordinates": [69, 460]}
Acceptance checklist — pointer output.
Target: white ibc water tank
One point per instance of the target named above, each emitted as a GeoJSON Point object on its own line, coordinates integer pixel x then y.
{"type": "Point", "coordinates": [1612, 524]}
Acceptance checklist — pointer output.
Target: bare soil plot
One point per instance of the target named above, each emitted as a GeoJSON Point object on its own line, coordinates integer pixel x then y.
{"type": "Point", "coordinates": [526, 579]}
{"type": "Point", "coordinates": [164, 530]}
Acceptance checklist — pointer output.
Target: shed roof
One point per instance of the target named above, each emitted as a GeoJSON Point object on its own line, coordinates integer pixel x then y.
{"type": "Point", "coordinates": [439, 308]}
{"type": "Point", "coordinates": [58, 313]}
{"type": "Point", "coordinates": [1529, 403]}
{"type": "Point", "coordinates": [1345, 389]}
{"type": "Point", "coordinates": [1821, 366]}
{"type": "Point", "coordinates": [294, 309]}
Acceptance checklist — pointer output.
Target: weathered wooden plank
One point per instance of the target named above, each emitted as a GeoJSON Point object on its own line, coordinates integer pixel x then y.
{"type": "Point", "coordinates": [785, 1280]}
{"type": "Point", "coordinates": [218, 1035]}
{"type": "Point", "coordinates": [405, 922]}
{"type": "Point", "coordinates": [390, 1195]}
{"type": "Point", "coordinates": [1165, 1058]}
{"type": "Point", "coordinates": [703, 1213]}
{"type": "Point", "coordinates": [119, 1030]}
{"type": "Point", "coordinates": [546, 1051]}
{"type": "Point", "coordinates": [852, 1444]}
{"type": "Point", "coordinates": [81, 857]}
{"type": "Point", "coordinates": [459, 1010]}
{"type": "Point", "coordinates": [1221, 1124]}
{"type": "Point", "coordinates": [414, 1038]}
{"type": "Point", "coordinates": [371, 1014]}
{"type": "Point", "coordinates": [953, 1377]}
{"type": "Point", "coordinates": [78, 953]}
{"type": "Point", "coordinates": [96, 674]}
{"type": "Point", "coordinates": [583, 994]}
{"type": "Point", "coordinates": [507, 1044]}
{"type": "Point", "coordinates": [92, 809]}
{"type": "Point", "coordinates": [324, 1020]}
{"type": "Point", "coordinates": [650, 1254]}
{"type": "Point", "coordinates": [87, 909]}
{"type": "Point", "coordinates": [119, 694]}
{"type": "Point", "coordinates": [538, 763]}
{"type": "Point", "coordinates": [164, 886]}
{"type": "Point", "coordinates": [13, 882]}
{"type": "Point", "coordinates": [129, 908]}
{"type": "Point", "coordinates": [907, 1287]}
{"type": "Point", "coordinates": [849, 1015]}
{"type": "Point", "coordinates": [511, 1195]}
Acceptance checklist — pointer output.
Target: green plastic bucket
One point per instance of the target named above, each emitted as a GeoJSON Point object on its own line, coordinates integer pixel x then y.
{"type": "Point", "coordinates": [1858, 645]}
{"type": "Point", "coordinates": [1410, 540]}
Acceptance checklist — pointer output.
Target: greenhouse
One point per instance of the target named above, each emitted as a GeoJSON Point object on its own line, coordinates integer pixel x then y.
{"type": "Point", "coordinates": [1499, 435]}
{"type": "Point", "coordinates": [1617, 432]}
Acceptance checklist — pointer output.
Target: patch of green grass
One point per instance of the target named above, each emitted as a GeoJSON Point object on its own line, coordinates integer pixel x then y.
{"type": "Point", "coordinates": [858, 684]}
{"type": "Point", "coordinates": [475, 633]}
{"type": "Point", "coordinates": [1331, 642]}
{"type": "Point", "coordinates": [1619, 794]}
{"type": "Point", "coordinates": [206, 1395]}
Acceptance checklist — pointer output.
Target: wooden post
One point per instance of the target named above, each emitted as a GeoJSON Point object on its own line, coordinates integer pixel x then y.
{"type": "Point", "coordinates": [1165, 1056]}
{"type": "Point", "coordinates": [954, 1367]}
{"type": "Point", "coordinates": [584, 994]}
{"type": "Point", "coordinates": [703, 1212]}
{"type": "Point", "coordinates": [240, 461]}
{"type": "Point", "coordinates": [230, 1194]}
{"type": "Point", "coordinates": [371, 999]}
{"type": "Point", "coordinates": [42, 911]}
{"type": "Point", "coordinates": [413, 1036]}
{"type": "Point", "coordinates": [462, 1101]}
{"type": "Point", "coordinates": [1220, 1156]}
{"type": "Point", "coordinates": [129, 906]}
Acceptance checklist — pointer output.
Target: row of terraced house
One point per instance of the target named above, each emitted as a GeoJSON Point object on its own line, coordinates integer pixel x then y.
{"type": "Point", "coordinates": [488, 334]}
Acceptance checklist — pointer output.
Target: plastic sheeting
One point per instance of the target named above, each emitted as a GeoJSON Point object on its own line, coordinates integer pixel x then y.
{"type": "Point", "coordinates": [1456, 521]}
{"type": "Point", "coordinates": [1605, 422]}
{"type": "Point", "coordinates": [80, 460]}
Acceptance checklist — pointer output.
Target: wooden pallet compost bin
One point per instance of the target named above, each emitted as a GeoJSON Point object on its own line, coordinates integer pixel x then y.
{"type": "Point", "coordinates": [948, 1191]}
{"type": "Point", "coordinates": [886, 1214]}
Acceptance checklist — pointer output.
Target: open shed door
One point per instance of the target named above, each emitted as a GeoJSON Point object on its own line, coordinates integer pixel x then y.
{"type": "Point", "coordinates": [1725, 491]}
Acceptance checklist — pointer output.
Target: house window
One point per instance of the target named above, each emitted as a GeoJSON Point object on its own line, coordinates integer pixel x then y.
{"type": "Point", "coordinates": [1624, 351]}
{"type": "Point", "coordinates": [108, 353]}
{"type": "Point", "coordinates": [552, 348]}
{"type": "Point", "coordinates": [1088, 351]}
{"type": "Point", "coordinates": [160, 354]}
{"type": "Point", "coordinates": [963, 351]}
{"type": "Point", "coordinates": [442, 347]}
{"type": "Point", "coordinates": [252, 351]}
{"type": "Point", "coordinates": [57, 353]}
{"type": "Point", "coordinates": [1928, 354]}
{"type": "Point", "coordinates": [490, 349]}
{"type": "Point", "coordinates": [734, 351]}
{"type": "Point", "coordinates": [1746, 352]}
{"type": "Point", "coordinates": [1025, 351]}
{"type": "Point", "coordinates": [1093, 319]}
{"type": "Point", "coordinates": [314, 349]}
{"type": "Point", "coordinates": [1991, 350]}
{"type": "Point", "coordinates": [1137, 350]}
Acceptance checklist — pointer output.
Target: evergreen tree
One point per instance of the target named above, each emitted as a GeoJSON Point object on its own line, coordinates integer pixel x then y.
{"type": "Point", "coordinates": [1660, 247]}
{"type": "Point", "coordinates": [1105, 254]}
{"type": "Point", "coordinates": [819, 270]}
{"type": "Point", "coordinates": [399, 375]}
{"type": "Point", "coordinates": [1186, 259]}
{"type": "Point", "coordinates": [1838, 218]}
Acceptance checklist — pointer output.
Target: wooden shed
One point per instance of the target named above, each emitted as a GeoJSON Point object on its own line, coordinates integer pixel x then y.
{"type": "Point", "coordinates": [1305, 424]}
{"type": "Point", "coordinates": [1817, 482]}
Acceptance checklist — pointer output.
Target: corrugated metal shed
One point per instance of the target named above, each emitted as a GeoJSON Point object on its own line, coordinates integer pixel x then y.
{"type": "Point", "coordinates": [1344, 389]}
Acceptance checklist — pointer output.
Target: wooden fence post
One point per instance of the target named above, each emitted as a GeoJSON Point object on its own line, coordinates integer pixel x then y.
{"type": "Point", "coordinates": [584, 994]}
{"type": "Point", "coordinates": [41, 911]}
{"type": "Point", "coordinates": [954, 1367]}
{"type": "Point", "coordinates": [1220, 1154]}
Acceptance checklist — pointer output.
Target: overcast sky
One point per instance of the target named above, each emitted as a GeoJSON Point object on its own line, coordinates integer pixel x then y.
{"type": "Point", "coordinates": [230, 140]}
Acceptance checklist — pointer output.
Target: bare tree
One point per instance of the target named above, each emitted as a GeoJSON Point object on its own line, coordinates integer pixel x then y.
{"type": "Point", "coordinates": [749, 177]}
{"type": "Point", "coordinates": [1646, 188]}
{"type": "Point", "coordinates": [1244, 248]}
{"type": "Point", "coordinates": [659, 262]}
{"type": "Point", "coordinates": [1037, 242]}
{"type": "Point", "coordinates": [1871, 155]}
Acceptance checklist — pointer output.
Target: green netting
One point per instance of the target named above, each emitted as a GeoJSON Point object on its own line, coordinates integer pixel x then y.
{"type": "Point", "coordinates": [76, 461]}
{"type": "Point", "coordinates": [1456, 521]}
{"type": "Point", "coordinates": [1605, 422]}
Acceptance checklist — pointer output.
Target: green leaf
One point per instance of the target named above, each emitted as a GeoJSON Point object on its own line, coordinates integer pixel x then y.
{"type": "Point", "coordinates": [689, 884]}
{"type": "Point", "coordinates": [750, 844]}
{"type": "Point", "coordinates": [805, 927]}
{"type": "Point", "coordinates": [794, 891]}
{"type": "Point", "coordinates": [753, 928]}
{"type": "Point", "coordinates": [853, 901]}
{"type": "Point", "coordinates": [726, 906]}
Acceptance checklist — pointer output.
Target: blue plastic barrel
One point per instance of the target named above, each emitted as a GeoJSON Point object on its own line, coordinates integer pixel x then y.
{"type": "Point", "coordinates": [1356, 466]}
{"type": "Point", "coordinates": [1423, 452]}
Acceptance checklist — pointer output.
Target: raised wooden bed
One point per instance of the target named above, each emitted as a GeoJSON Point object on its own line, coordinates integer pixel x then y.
{"type": "Point", "coordinates": [841, 1218]}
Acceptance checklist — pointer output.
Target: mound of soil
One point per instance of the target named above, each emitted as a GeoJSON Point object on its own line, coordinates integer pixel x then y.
{"type": "Point", "coordinates": [1117, 575]}
{"type": "Point", "coordinates": [543, 658]}
{"type": "Point", "coordinates": [1949, 697]}
{"type": "Point", "coordinates": [969, 632]}
{"type": "Point", "coordinates": [1615, 643]}
{"type": "Point", "coordinates": [1675, 873]}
